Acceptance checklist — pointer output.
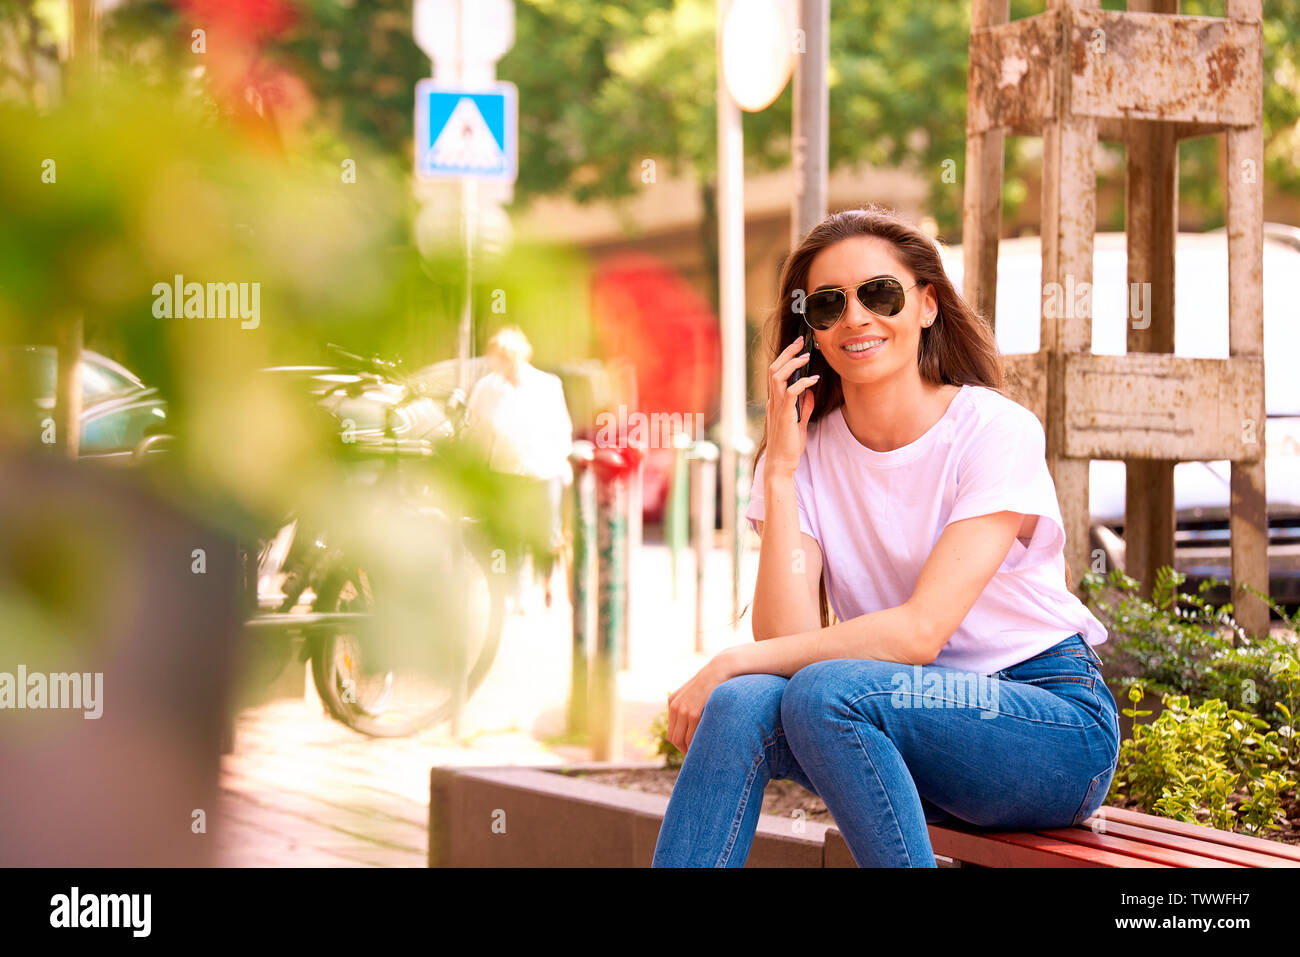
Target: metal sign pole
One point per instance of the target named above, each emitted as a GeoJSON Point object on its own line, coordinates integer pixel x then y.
{"type": "Point", "coordinates": [811, 120]}
{"type": "Point", "coordinates": [465, 343]}
{"type": "Point", "coordinates": [731, 297]}
{"type": "Point", "coordinates": [460, 655]}
{"type": "Point", "coordinates": [460, 675]}
{"type": "Point", "coordinates": [464, 41]}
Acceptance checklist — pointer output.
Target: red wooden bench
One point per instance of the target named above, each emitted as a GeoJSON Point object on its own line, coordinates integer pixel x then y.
{"type": "Point", "coordinates": [1113, 837]}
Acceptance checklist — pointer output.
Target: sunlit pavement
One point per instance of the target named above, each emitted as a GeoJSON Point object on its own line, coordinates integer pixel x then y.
{"type": "Point", "coordinates": [301, 790]}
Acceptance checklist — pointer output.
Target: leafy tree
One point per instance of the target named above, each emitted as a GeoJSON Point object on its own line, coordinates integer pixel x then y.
{"type": "Point", "coordinates": [607, 84]}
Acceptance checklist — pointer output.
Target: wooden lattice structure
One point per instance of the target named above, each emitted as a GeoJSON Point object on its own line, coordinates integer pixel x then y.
{"type": "Point", "coordinates": [1146, 77]}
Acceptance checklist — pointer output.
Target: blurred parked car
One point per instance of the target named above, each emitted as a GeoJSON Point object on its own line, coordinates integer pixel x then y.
{"type": "Point", "coordinates": [121, 418]}
{"type": "Point", "coordinates": [1201, 489]}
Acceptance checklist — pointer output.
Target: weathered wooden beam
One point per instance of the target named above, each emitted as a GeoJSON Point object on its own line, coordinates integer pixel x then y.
{"type": "Point", "coordinates": [1153, 406]}
{"type": "Point", "coordinates": [982, 198]}
{"type": "Point", "coordinates": [1115, 129]}
{"type": "Point", "coordinates": [1150, 228]}
{"type": "Point", "coordinates": [1011, 76]}
{"type": "Point", "coordinates": [1163, 67]}
{"type": "Point", "coordinates": [1200, 73]}
{"type": "Point", "coordinates": [1248, 514]}
{"type": "Point", "coordinates": [1069, 224]}
{"type": "Point", "coordinates": [1027, 381]}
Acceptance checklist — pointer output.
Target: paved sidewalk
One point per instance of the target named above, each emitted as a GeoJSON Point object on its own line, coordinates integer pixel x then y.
{"type": "Point", "coordinates": [301, 790]}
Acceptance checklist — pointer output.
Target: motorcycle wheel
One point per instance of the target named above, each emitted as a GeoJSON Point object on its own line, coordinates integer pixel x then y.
{"type": "Point", "coordinates": [384, 703]}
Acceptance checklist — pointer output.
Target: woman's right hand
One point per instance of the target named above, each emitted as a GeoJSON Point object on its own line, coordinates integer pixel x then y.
{"type": "Point", "coordinates": [785, 436]}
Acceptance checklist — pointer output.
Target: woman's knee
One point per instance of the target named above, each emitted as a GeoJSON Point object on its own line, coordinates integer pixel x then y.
{"type": "Point", "coordinates": [824, 688]}
{"type": "Point", "coordinates": [748, 698]}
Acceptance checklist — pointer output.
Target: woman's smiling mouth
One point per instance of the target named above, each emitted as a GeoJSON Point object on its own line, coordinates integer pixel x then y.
{"type": "Point", "coordinates": [863, 348]}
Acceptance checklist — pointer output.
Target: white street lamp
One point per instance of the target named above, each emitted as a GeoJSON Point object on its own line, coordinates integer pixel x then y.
{"type": "Point", "coordinates": [758, 46]}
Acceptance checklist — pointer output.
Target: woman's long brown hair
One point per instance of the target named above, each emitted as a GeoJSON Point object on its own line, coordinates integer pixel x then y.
{"type": "Point", "coordinates": [957, 348]}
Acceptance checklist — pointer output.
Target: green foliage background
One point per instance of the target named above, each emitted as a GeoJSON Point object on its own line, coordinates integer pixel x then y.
{"type": "Point", "coordinates": [604, 84]}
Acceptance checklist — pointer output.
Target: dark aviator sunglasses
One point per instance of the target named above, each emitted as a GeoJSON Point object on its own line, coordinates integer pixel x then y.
{"type": "Point", "coordinates": [882, 295]}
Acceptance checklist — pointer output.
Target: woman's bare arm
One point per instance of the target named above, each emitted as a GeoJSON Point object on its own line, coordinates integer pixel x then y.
{"type": "Point", "coordinates": [963, 561]}
{"type": "Point", "coordinates": [786, 598]}
{"type": "Point", "coordinates": [789, 561]}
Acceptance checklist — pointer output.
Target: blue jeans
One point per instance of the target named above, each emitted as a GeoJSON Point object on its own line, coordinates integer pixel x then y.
{"type": "Point", "coordinates": [889, 747]}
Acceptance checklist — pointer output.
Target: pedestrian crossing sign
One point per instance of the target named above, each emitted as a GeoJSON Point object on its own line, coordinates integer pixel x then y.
{"type": "Point", "coordinates": [462, 134]}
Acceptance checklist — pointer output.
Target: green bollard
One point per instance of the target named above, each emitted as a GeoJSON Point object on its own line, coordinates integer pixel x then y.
{"type": "Point", "coordinates": [610, 466]}
{"type": "Point", "coordinates": [580, 592]}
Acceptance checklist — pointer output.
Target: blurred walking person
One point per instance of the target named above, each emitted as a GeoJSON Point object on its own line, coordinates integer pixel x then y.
{"type": "Point", "coordinates": [518, 417]}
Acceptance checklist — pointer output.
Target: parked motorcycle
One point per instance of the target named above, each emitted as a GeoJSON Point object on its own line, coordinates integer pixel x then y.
{"type": "Point", "coordinates": [310, 585]}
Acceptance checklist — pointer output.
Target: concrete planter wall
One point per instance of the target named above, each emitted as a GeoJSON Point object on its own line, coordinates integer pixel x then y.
{"type": "Point", "coordinates": [532, 817]}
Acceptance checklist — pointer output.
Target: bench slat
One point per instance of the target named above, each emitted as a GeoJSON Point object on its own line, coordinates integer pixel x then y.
{"type": "Point", "coordinates": [1137, 848]}
{"type": "Point", "coordinates": [1222, 852]}
{"type": "Point", "coordinates": [1200, 832]}
{"type": "Point", "coordinates": [1020, 849]}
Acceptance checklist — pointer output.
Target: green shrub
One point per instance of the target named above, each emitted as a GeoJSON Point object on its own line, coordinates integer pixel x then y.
{"type": "Point", "coordinates": [1178, 643]}
{"type": "Point", "coordinates": [1284, 671]}
{"type": "Point", "coordinates": [1189, 762]}
{"type": "Point", "coordinates": [673, 758]}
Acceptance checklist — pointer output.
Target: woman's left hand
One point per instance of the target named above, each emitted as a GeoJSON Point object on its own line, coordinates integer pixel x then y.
{"type": "Point", "coordinates": [686, 704]}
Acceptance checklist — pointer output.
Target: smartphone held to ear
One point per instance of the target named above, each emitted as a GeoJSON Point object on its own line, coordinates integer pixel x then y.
{"type": "Point", "coordinates": [799, 373]}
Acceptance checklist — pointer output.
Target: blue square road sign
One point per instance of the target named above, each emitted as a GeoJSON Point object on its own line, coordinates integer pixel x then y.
{"type": "Point", "coordinates": [462, 133]}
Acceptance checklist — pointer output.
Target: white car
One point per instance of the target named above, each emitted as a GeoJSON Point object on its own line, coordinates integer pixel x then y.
{"type": "Point", "coordinates": [1201, 489]}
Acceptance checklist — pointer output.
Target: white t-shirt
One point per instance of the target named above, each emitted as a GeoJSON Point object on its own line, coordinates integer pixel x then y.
{"type": "Point", "coordinates": [525, 429]}
{"type": "Point", "coordinates": [877, 516]}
